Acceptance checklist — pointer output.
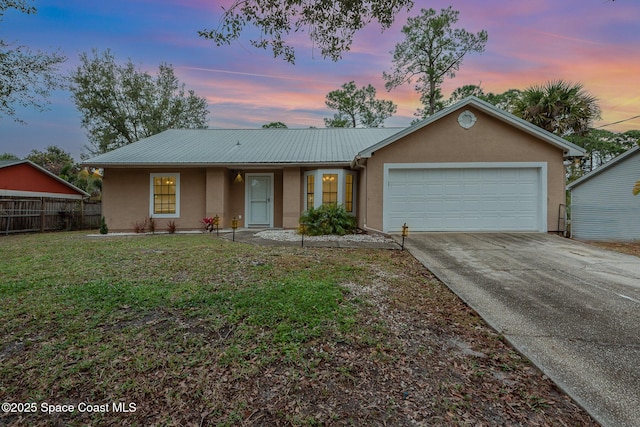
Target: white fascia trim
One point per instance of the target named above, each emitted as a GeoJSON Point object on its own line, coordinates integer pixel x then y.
{"type": "Point", "coordinates": [541, 166]}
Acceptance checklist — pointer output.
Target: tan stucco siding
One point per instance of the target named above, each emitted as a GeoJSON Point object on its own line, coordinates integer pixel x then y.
{"type": "Point", "coordinates": [204, 192]}
{"type": "Point", "coordinates": [126, 198]}
{"type": "Point", "coordinates": [292, 192]}
{"type": "Point", "coordinates": [234, 202]}
{"type": "Point", "coordinates": [444, 141]}
{"type": "Point", "coordinates": [278, 207]}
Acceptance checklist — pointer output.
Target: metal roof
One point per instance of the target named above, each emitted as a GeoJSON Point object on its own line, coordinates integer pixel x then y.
{"type": "Point", "coordinates": [604, 167]}
{"type": "Point", "coordinates": [246, 147]}
{"type": "Point", "coordinates": [7, 163]}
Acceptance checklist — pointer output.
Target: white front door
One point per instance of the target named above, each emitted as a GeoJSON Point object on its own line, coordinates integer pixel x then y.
{"type": "Point", "coordinates": [258, 200]}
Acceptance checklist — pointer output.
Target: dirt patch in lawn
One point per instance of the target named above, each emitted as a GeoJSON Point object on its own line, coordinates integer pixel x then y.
{"type": "Point", "coordinates": [263, 337]}
{"type": "Point", "coordinates": [630, 248]}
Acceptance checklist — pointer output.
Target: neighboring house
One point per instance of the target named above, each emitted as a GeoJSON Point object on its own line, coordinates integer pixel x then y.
{"type": "Point", "coordinates": [23, 178]}
{"type": "Point", "coordinates": [470, 167]}
{"type": "Point", "coordinates": [603, 206]}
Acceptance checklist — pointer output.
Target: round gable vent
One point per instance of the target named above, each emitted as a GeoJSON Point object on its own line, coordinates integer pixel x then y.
{"type": "Point", "coordinates": [466, 119]}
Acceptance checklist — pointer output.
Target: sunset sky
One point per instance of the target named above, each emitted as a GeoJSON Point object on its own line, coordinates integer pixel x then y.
{"type": "Point", "coordinates": [594, 42]}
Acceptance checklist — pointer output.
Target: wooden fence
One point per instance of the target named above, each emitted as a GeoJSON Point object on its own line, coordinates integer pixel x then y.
{"type": "Point", "coordinates": [20, 215]}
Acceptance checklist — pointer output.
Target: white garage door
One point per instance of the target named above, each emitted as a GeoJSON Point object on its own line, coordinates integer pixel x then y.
{"type": "Point", "coordinates": [465, 198]}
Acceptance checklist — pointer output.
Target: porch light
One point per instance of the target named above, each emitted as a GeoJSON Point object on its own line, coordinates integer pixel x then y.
{"type": "Point", "coordinates": [238, 179]}
{"type": "Point", "coordinates": [405, 233]}
{"type": "Point", "coordinates": [234, 226]}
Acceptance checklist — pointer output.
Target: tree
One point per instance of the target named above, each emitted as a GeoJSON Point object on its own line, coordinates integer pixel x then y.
{"type": "Point", "coordinates": [465, 91]}
{"type": "Point", "coordinates": [26, 77]}
{"type": "Point", "coordinates": [505, 101]}
{"type": "Point", "coordinates": [8, 156]}
{"type": "Point", "coordinates": [432, 51]}
{"type": "Point", "coordinates": [558, 106]}
{"type": "Point", "coordinates": [121, 104]}
{"type": "Point", "coordinates": [60, 163]}
{"type": "Point", "coordinates": [358, 107]}
{"type": "Point", "coordinates": [275, 125]}
{"type": "Point", "coordinates": [331, 24]}
{"type": "Point", "coordinates": [54, 159]}
{"type": "Point", "coordinates": [601, 146]}
{"type": "Point", "coordinates": [85, 179]}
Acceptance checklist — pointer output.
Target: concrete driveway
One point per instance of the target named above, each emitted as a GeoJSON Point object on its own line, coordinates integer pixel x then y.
{"type": "Point", "coordinates": [571, 308]}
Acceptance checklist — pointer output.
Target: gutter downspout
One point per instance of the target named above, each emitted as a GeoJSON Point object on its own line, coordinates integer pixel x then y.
{"type": "Point", "coordinates": [356, 164]}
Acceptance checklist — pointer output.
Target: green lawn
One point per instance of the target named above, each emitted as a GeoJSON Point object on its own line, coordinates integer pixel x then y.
{"type": "Point", "coordinates": [197, 330]}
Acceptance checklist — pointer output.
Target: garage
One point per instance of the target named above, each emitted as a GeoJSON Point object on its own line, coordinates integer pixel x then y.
{"type": "Point", "coordinates": [465, 197]}
{"type": "Point", "coordinates": [468, 167]}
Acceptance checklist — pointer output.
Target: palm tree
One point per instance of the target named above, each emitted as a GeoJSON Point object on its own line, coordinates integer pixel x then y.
{"type": "Point", "coordinates": [561, 107]}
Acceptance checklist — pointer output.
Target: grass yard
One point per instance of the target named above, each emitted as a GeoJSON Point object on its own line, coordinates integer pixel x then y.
{"type": "Point", "coordinates": [196, 330]}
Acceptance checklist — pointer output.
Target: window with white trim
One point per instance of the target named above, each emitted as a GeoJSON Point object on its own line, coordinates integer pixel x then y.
{"type": "Point", "coordinates": [349, 179]}
{"type": "Point", "coordinates": [311, 189]}
{"type": "Point", "coordinates": [330, 187]}
{"type": "Point", "coordinates": [165, 195]}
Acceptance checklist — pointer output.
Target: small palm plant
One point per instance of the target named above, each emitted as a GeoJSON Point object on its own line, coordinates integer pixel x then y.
{"type": "Point", "coordinates": [328, 219]}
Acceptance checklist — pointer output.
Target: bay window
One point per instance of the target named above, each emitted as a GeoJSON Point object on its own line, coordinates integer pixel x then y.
{"type": "Point", "coordinates": [330, 187]}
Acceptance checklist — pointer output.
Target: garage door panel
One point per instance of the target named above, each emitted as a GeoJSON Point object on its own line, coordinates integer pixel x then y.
{"type": "Point", "coordinates": [464, 199]}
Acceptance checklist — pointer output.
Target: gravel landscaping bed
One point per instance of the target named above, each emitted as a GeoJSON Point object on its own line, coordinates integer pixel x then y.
{"type": "Point", "coordinates": [293, 236]}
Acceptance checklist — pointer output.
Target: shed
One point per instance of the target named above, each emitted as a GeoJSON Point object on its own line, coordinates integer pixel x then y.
{"type": "Point", "coordinates": [23, 178]}
{"type": "Point", "coordinates": [34, 199]}
{"type": "Point", "coordinates": [603, 206]}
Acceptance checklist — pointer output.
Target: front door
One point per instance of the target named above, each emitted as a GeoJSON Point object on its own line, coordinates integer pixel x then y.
{"type": "Point", "coordinates": [259, 194]}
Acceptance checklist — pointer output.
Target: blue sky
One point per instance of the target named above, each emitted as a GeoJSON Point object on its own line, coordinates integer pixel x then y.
{"type": "Point", "coordinates": [595, 42]}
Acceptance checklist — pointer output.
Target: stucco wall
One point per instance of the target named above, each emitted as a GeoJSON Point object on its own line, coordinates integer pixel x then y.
{"type": "Point", "coordinates": [489, 140]}
{"type": "Point", "coordinates": [292, 194]}
{"type": "Point", "coordinates": [126, 198]}
{"type": "Point", "coordinates": [204, 192]}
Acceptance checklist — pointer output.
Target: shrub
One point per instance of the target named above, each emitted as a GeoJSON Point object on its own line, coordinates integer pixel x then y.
{"type": "Point", "coordinates": [172, 227]}
{"type": "Point", "coordinates": [103, 226]}
{"type": "Point", "coordinates": [208, 224]}
{"type": "Point", "coordinates": [328, 219]}
{"type": "Point", "coordinates": [140, 227]}
{"type": "Point", "coordinates": [152, 225]}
